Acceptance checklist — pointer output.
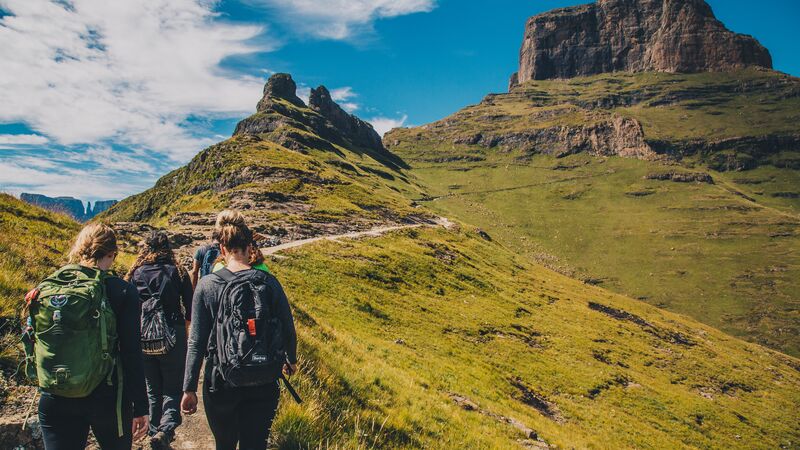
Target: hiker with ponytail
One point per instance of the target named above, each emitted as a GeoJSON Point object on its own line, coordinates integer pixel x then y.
{"type": "Point", "coordinates": [165, 291]}
{"type": "Point", "coordinates": [86, 349]}
{"type": "Point", "coordinates": [242, 325]}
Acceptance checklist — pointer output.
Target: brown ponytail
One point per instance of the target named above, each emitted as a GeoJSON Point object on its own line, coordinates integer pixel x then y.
{"type": "Point", "coordinates": [232, 231]}
{"type": "Point", "coordinates": [94, 242]}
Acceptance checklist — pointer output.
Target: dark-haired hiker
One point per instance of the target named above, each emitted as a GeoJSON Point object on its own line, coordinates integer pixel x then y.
{"type": "Point", "coordinates": [85, 325]}
{"type": "Point", "coordinates": [240, 399]}
{"type": "Point", "coordinates": [204, 258]}
{"type": "Point", "coordinates": [163, 286]}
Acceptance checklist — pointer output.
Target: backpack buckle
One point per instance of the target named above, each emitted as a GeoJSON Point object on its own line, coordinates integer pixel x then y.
{"type": "Point", "coordinates": [61, 374]}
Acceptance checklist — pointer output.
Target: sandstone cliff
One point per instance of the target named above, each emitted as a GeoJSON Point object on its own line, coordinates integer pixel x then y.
{"type": "Point", "coordinates": [633, 36]}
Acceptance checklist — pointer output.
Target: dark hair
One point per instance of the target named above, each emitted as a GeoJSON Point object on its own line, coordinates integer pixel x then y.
{"type": "Point", "coordinates": [154, 248]}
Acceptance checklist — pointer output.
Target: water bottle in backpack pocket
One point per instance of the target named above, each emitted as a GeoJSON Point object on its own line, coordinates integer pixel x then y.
{"type": "Point", "coordinates": [246, 341]}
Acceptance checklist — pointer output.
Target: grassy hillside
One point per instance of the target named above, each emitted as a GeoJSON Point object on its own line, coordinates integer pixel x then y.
{"type": "Point", "coordinates": [33, 242]}
{"type": "Point", "coordinates": [724, 249]}
{"type": "Point", "coordinates": [440, 339]}
{"type": "Point", "coordinates": [289, 180]}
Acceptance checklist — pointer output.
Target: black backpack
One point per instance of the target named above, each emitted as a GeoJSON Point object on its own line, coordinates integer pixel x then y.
{"type": "Point", "coordinates": [207, 264]}
{"type": "Point", "coordinates": [247, 341]}
{"type": "Point", "coordinates": [158, 336]}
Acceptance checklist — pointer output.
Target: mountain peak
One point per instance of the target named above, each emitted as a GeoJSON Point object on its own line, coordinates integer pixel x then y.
{"type": "Point", "coordinates": [679, 36]}
{"type": "Point", "coordinates": [279, 86]}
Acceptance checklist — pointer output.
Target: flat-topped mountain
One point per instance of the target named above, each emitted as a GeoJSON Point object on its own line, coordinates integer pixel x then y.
{"type": "Point", "coordinates": [633, 36]}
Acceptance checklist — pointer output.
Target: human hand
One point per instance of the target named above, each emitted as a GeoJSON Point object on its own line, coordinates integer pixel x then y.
{"type": "Point", "coordinates": [289, 369]}
{"type": "Point", "coordinates": [140, 426]}
{"type": "Point", "coordinates": [189, 403]}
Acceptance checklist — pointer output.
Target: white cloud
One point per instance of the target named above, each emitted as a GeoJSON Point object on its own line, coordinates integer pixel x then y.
{"type": "Point", "coordinates": [22, 176]}
{"type": "Point", "coordinates": [13, 140]}
{"type": "Point", "coordinates": [342, 95]}
{"type": "Point", "coordinates": [122, 71]}
{"type": "Point", "coordinates": [384, 124]}
{"type": "Point", "coordinates": [341, 19]}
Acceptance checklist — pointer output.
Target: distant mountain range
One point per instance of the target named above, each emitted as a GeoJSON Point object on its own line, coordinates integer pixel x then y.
{"type": "Point", "coordinates": [70, 206]}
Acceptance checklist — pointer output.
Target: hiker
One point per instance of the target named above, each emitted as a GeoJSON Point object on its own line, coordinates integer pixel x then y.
{"type": "Point", "coordinates": [163, 286]}
{"type": "Point", "coordinates": [242, 324]}
{"type": "Point", "coordinates": [83, 331]}
{"type": "Point", "coordinates": [204, 258]}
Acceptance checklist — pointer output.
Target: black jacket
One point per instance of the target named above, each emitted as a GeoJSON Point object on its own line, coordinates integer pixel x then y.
{"type": "Point", "coordinates": [178, 292]}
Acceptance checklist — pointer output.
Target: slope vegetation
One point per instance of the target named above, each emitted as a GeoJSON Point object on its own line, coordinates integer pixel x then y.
{"type": "Point", "coordinates": [439, 338]}
{"type": "Point", "coordinates": [296, 170]}
{"type": "Point", "coordinates": [679, 190]}
{"type": "Point", "coordinates": [33, 242]}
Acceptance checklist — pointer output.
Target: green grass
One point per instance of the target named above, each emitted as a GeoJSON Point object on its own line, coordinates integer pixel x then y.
{"type": "Point", "coordinates": [392, 327]}
{"type": "Point", "coordinates": [33, 242]}
{"type": "Point", "coordinates": [693, 248]}
{"type": "Point", "coordinates": [333, 187]}
{"type": "Point", "coordinates": [724, 253]}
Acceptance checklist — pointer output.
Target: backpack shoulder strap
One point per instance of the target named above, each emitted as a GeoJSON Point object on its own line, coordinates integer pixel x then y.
{"type": "Point", "coordinates": [225, 274]}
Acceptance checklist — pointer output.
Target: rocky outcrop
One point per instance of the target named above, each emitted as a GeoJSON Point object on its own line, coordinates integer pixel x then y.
{"type": "Point", "coordinates": [99, 207]}
{"type": "Point", "coordinates": [633, 36]}
{"type": "Point", "coordinates": [323, 124]}
{"type": "Point", "coordinates": [354, 129]}
{"type": "Point", "coordinates": [67, 205]}
{"type": "Point", "coordinates": [618, 136]}
{"type": "Point", "coordinates": [279, 86]}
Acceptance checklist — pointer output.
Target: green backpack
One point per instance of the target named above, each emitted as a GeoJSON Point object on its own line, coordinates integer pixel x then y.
{"type": "Point", "coordinates": [73, 330]}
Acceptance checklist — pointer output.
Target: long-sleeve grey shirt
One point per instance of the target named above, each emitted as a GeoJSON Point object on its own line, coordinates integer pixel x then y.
{"type": "Point", "coordinates": [205, 305]}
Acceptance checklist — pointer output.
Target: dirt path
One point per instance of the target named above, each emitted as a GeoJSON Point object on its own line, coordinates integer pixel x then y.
{"type": "Point", "coordinates": [374, 232]}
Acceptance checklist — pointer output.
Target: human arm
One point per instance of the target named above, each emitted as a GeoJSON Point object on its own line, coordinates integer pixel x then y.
{"type": "Point", "coordinates": [194, 273]}
{"type": "Point", "coordinates": [284, 313]}
{"type": "Point", "coordinates": [130, 346]}
{"type": "Point", "coordinates": [200, 329]}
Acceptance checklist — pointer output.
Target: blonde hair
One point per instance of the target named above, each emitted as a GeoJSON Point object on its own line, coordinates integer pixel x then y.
{"type": "Point", "coordinates": [232, 231]}
{"type": "Point", "coordinates": [94, 242]}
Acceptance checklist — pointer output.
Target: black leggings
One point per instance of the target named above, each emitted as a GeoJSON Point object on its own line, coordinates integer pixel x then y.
{"type": "Point", "coordinates": [242, 415]}
{"type": "Point", "coordinates": [66, 421]}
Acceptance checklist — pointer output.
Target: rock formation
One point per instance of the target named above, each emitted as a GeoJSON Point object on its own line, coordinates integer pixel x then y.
{"type": "Point", "coordinates": [619, 136]}
{"type": "Point", "coordinates": [355, 130]}
{"type": "Point", "coordinates": [633, 36]}
{"type": "Point", "coordinates": [324, 120]}
{"type": "Point", "coordinates": [67, 205]}
{"type": "Point", "coordinates": [99, 207]}
{"type": "Point", "coordinates": [282, 86]}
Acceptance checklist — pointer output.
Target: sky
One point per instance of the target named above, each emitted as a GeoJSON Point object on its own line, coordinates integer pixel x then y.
{"type": "Point", "coordinates": [99, 98]}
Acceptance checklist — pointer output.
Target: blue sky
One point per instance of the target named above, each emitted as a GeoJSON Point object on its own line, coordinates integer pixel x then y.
{"type": "Point", "coordinates": [98, 99]}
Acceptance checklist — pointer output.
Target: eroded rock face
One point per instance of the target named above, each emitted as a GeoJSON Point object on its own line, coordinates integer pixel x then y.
{"type": "Point", "coordinates": [354, 129]}
{"type": "Point", "coordinates": [618, 136]}
{"type": "Point", "coordinates": [633, 36]}
{"type": "Point", "coordinates": [280, 85]}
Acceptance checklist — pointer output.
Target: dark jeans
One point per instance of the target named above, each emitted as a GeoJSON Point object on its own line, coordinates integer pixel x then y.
{"type": "Point", "coordinates": [164, 375]}
{"type": "Point", "coordinates": [242, 415]}
{"type": "Point", "coordinates": [66, 421]}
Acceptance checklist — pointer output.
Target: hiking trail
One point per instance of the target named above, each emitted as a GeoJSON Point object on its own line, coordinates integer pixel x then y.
{"type": "Point", "coordinates": [194, 433]}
